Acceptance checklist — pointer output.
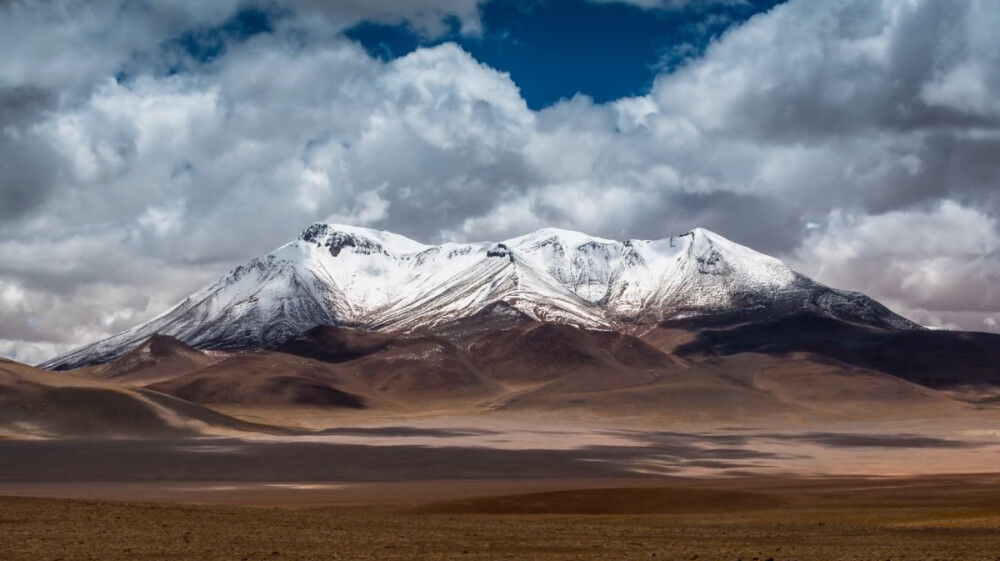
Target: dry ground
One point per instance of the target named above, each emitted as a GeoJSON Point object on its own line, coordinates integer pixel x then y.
{"type": "Point", "coordinates": [751, 519]}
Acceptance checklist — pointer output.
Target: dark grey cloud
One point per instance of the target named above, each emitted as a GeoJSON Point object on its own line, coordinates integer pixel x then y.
{"type": "Point", "coordinates": [70, 45]}
{"type": "Point", "coordinates": [855, 138]}
{"type": "Point", "coordinates": [28, 163]}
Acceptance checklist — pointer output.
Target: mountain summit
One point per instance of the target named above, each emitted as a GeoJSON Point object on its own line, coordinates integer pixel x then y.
{"type": "Point", "coordinates": [348, 276]}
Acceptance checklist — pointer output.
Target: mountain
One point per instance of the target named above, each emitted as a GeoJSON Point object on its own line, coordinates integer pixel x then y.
{"type": "Point", "coordinates": [338, 275]}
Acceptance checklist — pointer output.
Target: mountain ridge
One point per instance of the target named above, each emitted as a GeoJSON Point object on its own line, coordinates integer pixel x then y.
{"type": "Point", "coordinates": [357, 277]}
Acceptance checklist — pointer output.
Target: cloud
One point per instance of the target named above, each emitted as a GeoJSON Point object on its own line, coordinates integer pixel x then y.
{"type": "Point", "coordinates": [83, 286]}
{"type": "Point", "coordinates": [29, 165]}
{"type": "Point", "coordinates": [854, 138]}
{"type": "Point", "coordinates": [188, 173]}
{"type": "Point", "coordinates": [799, 73]}
{"type": "Point", "coordinates": [31, 352]}
{"type": "Point", "coordinates": [70, 45]}
{"type": "Point", "coordinates": [941, 263]}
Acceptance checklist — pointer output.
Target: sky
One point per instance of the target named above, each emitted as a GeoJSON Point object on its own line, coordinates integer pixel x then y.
{"type": "Point", "coordinates": [147, 147]}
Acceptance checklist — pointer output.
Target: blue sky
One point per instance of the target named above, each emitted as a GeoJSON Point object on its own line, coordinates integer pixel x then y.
{"type": "Point", "coordinates": [555, 49]}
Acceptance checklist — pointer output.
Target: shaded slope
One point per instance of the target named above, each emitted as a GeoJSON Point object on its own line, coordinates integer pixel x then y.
{"type": "Point", "coordinates": [835, 388]}
{"type": "Point", "coordinates": [744, 389]}
{"type": "Point", "coordinates": [936, 359]}
{"type": "Point", "coordinates": [335, 344]}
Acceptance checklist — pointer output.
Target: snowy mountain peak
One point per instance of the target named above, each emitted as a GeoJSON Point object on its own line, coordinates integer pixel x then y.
{"type": "Point", "coordinates": [336, 237]}
{"type": "Point", "coordinates": [335, 274]}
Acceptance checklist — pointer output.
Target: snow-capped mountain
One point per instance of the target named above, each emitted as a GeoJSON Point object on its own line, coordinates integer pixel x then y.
{"type": "Point", "coordinates": [344, 275]}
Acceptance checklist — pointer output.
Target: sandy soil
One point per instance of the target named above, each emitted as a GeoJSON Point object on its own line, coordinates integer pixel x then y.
{"type": "Point", "coordinates": [735, 519]}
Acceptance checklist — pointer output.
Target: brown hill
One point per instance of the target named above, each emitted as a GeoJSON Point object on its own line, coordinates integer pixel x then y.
{"type": "Point", "coordinates": [390, 372]}
{"type": "Point", "coordinates": [829, 387]}
{"type": "Point", "coordinates": [35, 403]}
{"type": "Point", "coordinates": [568, 371]}
{"type": "Point", "coordinates": [401, 368]}
{"type": "Point", "coordinates": [424, 368]}
{"type": "Point", "coordinates": [575, 358]}
{"type": "Point", "coordinates": [746, 388]}
{"type": "Point", "coordinates": [795, 369]}
{"type": "Point", "coordinates": [159, 358]}
{"type": "Point", "coordinates": [265, 378]}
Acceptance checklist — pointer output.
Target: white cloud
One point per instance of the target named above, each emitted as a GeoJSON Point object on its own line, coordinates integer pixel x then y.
{"type": "Point", "coordinates": [858, 126]}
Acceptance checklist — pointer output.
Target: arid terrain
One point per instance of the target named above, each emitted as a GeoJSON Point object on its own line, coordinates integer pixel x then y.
{"type": "Point", "coordinates": [915, 519]}
{"type": "Point", "coordinates": [802, 439]}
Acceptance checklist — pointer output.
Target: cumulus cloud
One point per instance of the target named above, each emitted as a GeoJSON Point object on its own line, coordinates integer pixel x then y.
{"type": "Point", "coordinates": [855, 138]}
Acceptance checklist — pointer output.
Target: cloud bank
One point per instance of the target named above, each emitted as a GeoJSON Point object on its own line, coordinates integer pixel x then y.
{"type": "Point", "coordinates": [147, 148]}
